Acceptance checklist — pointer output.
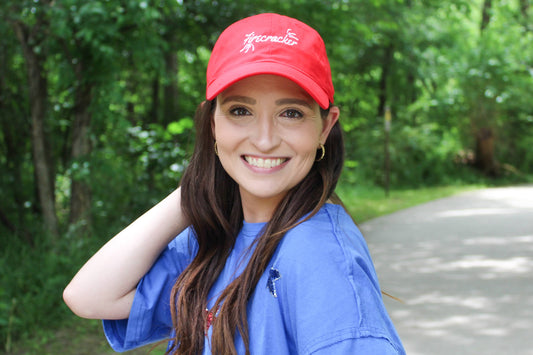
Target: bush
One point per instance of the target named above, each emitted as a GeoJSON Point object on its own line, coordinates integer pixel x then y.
{"type": "Point", "coordinates": [32, 281]}
{"type": "Point", "coordinates": [422, 155]}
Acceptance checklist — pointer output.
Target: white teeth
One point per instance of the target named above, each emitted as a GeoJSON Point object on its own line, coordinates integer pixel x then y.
{"type": "Point", "coordinates": [264, 163]}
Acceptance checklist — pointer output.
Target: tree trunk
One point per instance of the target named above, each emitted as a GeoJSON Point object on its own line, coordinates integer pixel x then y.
{"type": "Point", "coordinates": [486, 14]}
{"type": "Point", "coordinates": [15, 132]}
{"type": "Point", "coordinates": [154, 110]}
{"type": "Point", "coordinates": [80, 199]}
{"type": "Point", "coordinates": [524, 10]}
{"type": "Point", "coordinates": [15, 135]}
{"type": "Point", "coordinates": [170, 89]}
{"type": "Point", "coordinates": [38, 92]}
{"type": "Point", "coordinates": [131, 87]}
{"type": "Point", "coordinates": [484, 158]}
{"type": "Point", "coordinates": [385, 68]}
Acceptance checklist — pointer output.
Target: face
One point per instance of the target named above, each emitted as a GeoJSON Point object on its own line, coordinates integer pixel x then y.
{"type": "Point", "coordinates": [268, 130]}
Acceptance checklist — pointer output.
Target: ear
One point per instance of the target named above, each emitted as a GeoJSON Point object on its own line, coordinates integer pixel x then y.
{"type": "Point", "coordinates": [329, 122]}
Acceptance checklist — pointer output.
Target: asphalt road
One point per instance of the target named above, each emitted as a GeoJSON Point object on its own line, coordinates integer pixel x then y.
{"type": "Point", "coordinates": [463, 267]}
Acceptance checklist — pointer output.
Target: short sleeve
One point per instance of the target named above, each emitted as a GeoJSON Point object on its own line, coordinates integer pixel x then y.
{"type": "Point", "coordinates": [150, 319]}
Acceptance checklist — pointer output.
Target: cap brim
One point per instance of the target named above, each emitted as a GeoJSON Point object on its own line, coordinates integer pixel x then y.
{"type": "Point", "coordinates": [230, 77]}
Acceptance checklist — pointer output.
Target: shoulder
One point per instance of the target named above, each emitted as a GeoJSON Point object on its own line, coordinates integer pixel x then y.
{"type": "Point", "coordinates": [330, 236]}
{"type": "Point", "coordinates": [329, 220]}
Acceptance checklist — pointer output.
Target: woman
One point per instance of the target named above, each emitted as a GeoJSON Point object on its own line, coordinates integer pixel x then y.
{"type": "Point", "coordinates": [269, 264]}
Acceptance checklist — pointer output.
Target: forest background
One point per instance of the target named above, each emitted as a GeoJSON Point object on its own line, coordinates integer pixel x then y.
{"type": "Point", "coordinates": [97, 99]}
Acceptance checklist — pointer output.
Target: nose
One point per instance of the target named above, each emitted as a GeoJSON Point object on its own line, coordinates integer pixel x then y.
{"type": "Point", "coordinates": [265, 136]}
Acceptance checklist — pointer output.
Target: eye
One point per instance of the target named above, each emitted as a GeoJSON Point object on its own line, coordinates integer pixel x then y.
{"type": "Point", "coordinates": [239, 111]}
{"type": "Point", "coordinates": [292, 114]}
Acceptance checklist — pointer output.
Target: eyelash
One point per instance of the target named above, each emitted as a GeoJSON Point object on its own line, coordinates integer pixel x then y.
{"type": "Point", "coordinates": [289, 113]}
{"type": "Point", "coordinates": [239, 111]}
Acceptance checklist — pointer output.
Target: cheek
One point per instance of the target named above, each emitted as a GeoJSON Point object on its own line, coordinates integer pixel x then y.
{"type": "Point", "coordinates": [228, 140]}
{"type": "Point", "coordinates": [307, 151]}
{"type": "Point", "coordinates": [305, 142]}
{"type": "Point", "coordinates": [222, 132]}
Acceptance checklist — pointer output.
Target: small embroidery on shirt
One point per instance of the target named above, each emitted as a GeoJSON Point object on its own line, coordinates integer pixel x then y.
{"type": "Point", "coordinates": [274, 275]}
{"type": "Point", "coordinates": [288, 39]}
{"type": "Point", "coordinates": [210, 317]}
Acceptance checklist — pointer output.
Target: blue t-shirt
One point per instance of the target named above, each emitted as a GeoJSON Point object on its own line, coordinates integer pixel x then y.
{"type": "Point", "coordinates": [318, 295]}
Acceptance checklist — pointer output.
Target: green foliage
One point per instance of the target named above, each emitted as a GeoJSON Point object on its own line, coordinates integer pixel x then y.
{"type": "Point", "coordinates": [32, 280]}
{"type": "Point", "coordinates": [423, 155]}
{"type": "Point", "coordinates": [149, 166]}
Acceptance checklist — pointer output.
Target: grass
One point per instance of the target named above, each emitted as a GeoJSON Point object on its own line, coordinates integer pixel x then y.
{"type": "Point", "coordinates": [365, 203]}
{"type": "Point", "coordinates": [76, 337]}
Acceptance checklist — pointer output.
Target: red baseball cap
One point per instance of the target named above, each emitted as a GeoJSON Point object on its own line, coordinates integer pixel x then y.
{"type": "Point", "coordinates": [271, 44]}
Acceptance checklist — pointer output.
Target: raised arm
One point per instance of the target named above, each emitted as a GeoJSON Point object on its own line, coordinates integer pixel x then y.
{"type": "Point", "coordinates": [105, 286]}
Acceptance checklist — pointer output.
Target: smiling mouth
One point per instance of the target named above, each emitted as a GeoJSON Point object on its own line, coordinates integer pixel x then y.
{"type": "Point", "coordinates": [264, 163]}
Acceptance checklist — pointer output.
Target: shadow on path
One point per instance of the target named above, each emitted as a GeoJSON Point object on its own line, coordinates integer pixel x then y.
{"type": "Point", "coordinates": [464, 268]}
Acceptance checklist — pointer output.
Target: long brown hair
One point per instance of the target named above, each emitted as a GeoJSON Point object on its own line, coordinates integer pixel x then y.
{"type": "Point", "coordinates": [211, 202]}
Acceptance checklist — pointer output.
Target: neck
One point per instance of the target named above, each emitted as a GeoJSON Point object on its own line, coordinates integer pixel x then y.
{"type": "Point", "coordinates": [256, 209]}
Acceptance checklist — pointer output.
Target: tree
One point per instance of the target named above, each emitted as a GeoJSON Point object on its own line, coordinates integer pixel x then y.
{"type": "Point", "coordinates": [30, 28]}
{"type": "Point", "coordinates": [15, 127]}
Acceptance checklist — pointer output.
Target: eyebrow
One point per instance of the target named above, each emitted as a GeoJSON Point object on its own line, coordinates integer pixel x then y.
{"type": "Point", "coordinates": [293, 102]}
{"type": "Point", "coordinates": [243, 99]}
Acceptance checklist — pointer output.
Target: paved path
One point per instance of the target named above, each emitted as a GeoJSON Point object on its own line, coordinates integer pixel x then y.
{"type": "Point", "coordinates": [464, 268]}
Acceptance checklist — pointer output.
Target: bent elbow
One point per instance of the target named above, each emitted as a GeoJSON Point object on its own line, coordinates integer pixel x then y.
{"type": "Point", "coordinates": [75, 301]}
{"type": "Point", "coordinates": [92, 305]}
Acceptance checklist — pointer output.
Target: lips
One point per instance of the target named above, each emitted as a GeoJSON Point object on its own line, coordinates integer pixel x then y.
{"type": "Point", "coordinates": [264, 163]}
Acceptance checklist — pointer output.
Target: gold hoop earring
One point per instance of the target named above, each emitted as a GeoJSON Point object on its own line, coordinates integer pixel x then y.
{"type": "Point", "coordinates": [216, 149]}
{"type": "Point", "coordinates": [323, 152]}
